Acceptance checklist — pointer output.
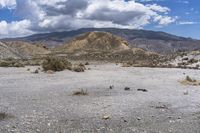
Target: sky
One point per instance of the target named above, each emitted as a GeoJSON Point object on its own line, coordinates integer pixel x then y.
{"type": "Point", "coordinates": [26, 17]}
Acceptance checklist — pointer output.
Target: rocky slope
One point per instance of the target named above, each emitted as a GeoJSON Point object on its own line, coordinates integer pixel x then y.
{"type": "Point", "coordinates": [21, 50]}
{"type": "Point", "coordinates": [8, 52]}
{"type": "Point", "coordinates": [186, 60]}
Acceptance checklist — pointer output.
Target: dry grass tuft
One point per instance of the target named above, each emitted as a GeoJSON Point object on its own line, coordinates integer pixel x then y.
{"type": "Point", "coordinates": [3, 115]}
{"type": "Point", "coordinates": [80, 93]}
{"type": "Point", "coordinates": [189, 81]}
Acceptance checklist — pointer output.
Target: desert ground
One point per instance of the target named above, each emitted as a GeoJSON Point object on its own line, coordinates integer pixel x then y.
{"type": "Point", "coordinates": [44, 103]}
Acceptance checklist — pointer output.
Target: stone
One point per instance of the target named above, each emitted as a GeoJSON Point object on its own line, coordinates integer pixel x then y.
{"type": "Point", "coordinates": [143, 90]}
{"type": "Point", "coordinates": [127, 88]}
{"type": "Point", "coordinates": [106, 117]}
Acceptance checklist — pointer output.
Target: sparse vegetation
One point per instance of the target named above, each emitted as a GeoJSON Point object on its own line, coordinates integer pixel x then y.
{"type": "Point", "coordinates": [11, 63]}
{"type": "Point", "coordinates": [192, 61]}
{"type": "Point", "coordinates": [80, 92]}
{"type": "Point", "coordinates": [3, 115]}
{"type": "Point", "coordinates": [189, 81]}
{"type": "Point", "coordinates": [56, 64]}
{"type": "Point", "coordinates": [79, 67]}
{"type": "Point", "coordinates": [87, 63]}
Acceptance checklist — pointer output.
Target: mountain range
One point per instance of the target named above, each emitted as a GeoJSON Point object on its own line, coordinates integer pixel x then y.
{"type": "Point", "coordinates": [153, 41]}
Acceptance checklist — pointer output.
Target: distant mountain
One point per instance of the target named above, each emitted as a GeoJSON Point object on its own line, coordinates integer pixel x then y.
{"type": "Point", "coordinates": [160, 42]}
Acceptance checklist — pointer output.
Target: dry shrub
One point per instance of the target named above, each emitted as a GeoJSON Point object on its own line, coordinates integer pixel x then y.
{"type": "Point", "coordinates": [3, 115]}
{"type": "Point", "coordinates": [87, 63]}
{"type": "Point", "coordinates": [56, 64]}
{"type": "Point", "coordinates": [190, 81]}
{"type": "Point", "coordinates": [79, 67]}
{"type": "Point", "coordinates": [11, 63]}
{"type": "Point", "coordinates": [127, 64]}
{"type": "Point", "coordinates": [80, 92]}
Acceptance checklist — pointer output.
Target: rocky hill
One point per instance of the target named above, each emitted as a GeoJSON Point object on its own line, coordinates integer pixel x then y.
{"type": "Point", "coordinates": [105, 47]}
{"type": "Point", "coordinates": [21, 50]}
{"type": "Point", "coordinates": [8, 52]}
{"type": "Point", "coordinates": [186, 60]}
{"type": "Point", "coordinates": [160, 42]}
{"type": "Point", "coordinates": [94, 42]}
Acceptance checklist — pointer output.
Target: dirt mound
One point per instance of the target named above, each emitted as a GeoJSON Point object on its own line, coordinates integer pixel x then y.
{"type": "Point", "coordinates": [95, 42]}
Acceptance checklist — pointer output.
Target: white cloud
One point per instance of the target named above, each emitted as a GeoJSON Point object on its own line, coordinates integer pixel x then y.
{"type": "Point", "coordinates": [158, 8]}
{"type": "Point", "coordinates": [15, 28]}
{"type": "Point", "coordinates": [59, 15]}
{"type": "Point", "coordinates": [184, 1]}
{"type": "Point", "coordinates": [187, 23]}
{"type": "Point", "coordinates": [164, 20]}
{"type": "Point", "coordinates": [10, 4]}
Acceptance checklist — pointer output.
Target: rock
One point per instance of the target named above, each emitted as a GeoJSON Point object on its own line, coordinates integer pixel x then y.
{"type": "Point", "coordinates": [79, 67]}
{"type": "Point", "coordinates": [185, 92]}
{"type": "Point", "coordinates": [127, 88]}
{"type": "Point", "coordinates": [28, 69]}
{"type": "Point", "coordinates": [111, 87]}
{"type": "Point", "coordinates": [161, 107]}
{"type": "Point", "coordinates": [125, 120]}
{"type": "Point", "coordinates": [50, 72]}
{"type": "Point", "coordinates": [179, 117]}
{"type": "Point", "coordinates": [36, 71]}
{"type": "Point", "coordinates": [143, 90]}
{"type": "Point", "coordinates": [87, 63]}
{"type": "Point", "coordinates": [106, 117]}
{"type": "Point", "coordinates": [138, 118]}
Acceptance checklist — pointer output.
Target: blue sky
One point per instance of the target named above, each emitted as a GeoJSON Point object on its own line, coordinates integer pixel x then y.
{"type": "Point", "coordinates": [26, 17]}
{"type": "Point", "coordinates": [187, 11]}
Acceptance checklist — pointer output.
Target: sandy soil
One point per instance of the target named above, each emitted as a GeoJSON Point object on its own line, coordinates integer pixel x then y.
{"type": "Point", "coordinates": [43, 103]}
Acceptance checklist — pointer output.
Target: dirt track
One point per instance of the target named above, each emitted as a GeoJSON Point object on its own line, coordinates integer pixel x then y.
{"type": "Point", "coordinates": [44, 103]}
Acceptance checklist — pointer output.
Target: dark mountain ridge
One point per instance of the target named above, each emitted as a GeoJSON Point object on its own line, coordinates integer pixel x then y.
{"type": "Point", "coordinates": [154, 41]}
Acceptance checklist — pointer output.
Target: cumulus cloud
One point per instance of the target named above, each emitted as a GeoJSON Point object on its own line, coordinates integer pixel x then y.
{"type": "Point", "coordinates": [15, 28]}
{"type": "Point", "coordinates": [59, 15]}
{"type": "Point", "coordinates": [10, 4]}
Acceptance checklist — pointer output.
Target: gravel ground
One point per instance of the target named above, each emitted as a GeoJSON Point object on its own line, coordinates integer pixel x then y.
{"type": "Point", "coordinates": [44, 103]}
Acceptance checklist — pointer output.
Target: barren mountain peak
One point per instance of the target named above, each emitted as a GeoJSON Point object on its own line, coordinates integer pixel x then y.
{"type": "Point", "coordinates": [95, 41]}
